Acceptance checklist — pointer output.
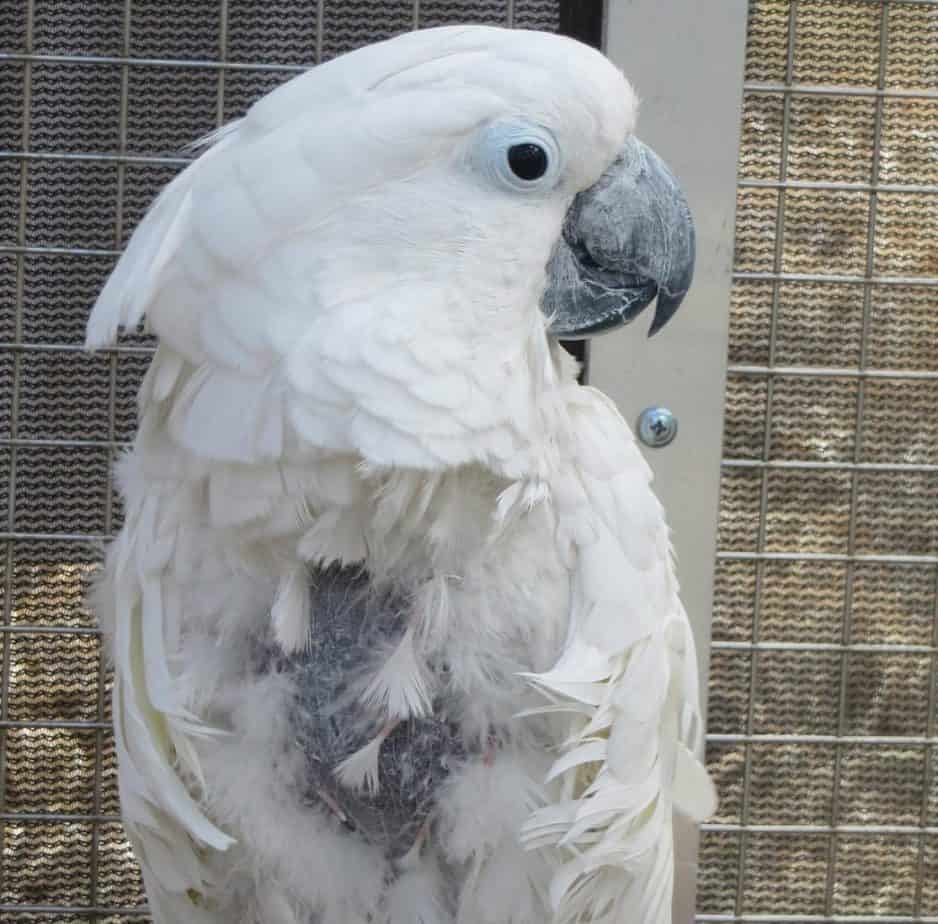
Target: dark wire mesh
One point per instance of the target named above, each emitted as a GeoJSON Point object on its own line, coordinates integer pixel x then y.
{"type": "Point", "coordinates": [96, 102]}
{"type": "Point", "coordinates": [823, 684]}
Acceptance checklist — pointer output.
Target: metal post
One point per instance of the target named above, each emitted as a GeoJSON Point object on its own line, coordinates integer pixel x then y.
{"type": "Point", "coordinates": [685, 59]}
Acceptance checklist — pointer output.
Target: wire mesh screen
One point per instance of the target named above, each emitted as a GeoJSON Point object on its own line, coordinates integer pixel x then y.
{"type": "Point", "coordinates": [96, 101]}
{"type": "Point", "coordinates": [823, 682]}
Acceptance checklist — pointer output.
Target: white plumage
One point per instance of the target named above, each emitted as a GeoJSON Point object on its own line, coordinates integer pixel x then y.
{"type": "Point", "coordinates": [354, 369]}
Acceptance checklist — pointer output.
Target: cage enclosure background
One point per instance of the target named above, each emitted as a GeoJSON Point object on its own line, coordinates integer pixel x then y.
{"type": "Point", "coordinates": [823, 676]}
{"type": "Point", "coordinates": [97, 100]}
{"type": "Point", "coordinates": [823, 682]}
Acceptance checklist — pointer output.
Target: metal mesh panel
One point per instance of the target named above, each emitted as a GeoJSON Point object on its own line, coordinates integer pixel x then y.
{"type": "Point", "coordinates": [97, 100]}
{"type": "Point", "coordinates": [823, 682]}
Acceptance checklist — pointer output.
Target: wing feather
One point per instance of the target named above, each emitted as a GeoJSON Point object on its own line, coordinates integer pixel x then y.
{"type": "Point", "coordinates": [137, 278]}
{"type": "Point", "coordinates": [630, 655]}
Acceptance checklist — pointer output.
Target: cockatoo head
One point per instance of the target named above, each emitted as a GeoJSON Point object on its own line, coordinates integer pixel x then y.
{"type": "Point", "coordinates": [378, 257]}
{"type": "Point", "coordinates": [500, 164]}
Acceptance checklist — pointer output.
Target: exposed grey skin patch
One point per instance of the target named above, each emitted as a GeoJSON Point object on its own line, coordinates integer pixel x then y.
{"type": "Point", "coordinates": [626, 239]}
{"type": "Point", "coordinates": [353, 626]}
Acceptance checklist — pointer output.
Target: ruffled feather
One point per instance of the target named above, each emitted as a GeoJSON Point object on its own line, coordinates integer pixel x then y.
{"type": "Point", "coordinates": [625, 683]}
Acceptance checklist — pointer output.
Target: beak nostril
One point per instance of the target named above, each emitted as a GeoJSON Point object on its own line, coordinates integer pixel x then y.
{"type": "Point", "coordinates": [614, 276]}
{"type": "Point", "coordinates": [587, 260]}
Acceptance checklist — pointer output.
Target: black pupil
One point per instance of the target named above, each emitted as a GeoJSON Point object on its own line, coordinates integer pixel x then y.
{"type": "Point", "coordinates": [527, 161]}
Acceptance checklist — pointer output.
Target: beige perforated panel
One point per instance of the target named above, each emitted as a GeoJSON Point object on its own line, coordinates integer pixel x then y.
{"type": "Point", "coordinates": [96, 101]}
{"type": "Point", "coordinates": [823, 678]}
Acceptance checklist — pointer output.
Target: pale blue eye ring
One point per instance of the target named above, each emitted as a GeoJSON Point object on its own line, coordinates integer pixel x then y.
{"type": "Point", "coordinates": [519, 155]}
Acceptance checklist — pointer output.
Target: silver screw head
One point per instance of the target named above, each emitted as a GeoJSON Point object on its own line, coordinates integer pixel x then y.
{"type": "Point", "coordinates": [657, 427]}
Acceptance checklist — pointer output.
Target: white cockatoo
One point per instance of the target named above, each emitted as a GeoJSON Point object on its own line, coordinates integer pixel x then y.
{"type": "Point", "coordinates": [394, 623]}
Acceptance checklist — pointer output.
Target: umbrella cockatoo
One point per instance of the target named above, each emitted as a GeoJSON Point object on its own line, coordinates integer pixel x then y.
{"type": "Point", "coordinates": [394, 624]}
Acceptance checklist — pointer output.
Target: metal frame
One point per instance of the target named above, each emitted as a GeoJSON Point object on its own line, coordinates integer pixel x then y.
{"type": "Point", "coordinates": [674, 45]}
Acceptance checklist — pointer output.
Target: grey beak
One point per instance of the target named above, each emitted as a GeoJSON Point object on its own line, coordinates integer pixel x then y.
{"type": "Point", "coordinates": [626, 239]}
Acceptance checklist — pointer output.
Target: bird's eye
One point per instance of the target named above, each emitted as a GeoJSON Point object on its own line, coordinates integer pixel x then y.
{"type": "Point", "coordinates": [519, 155]}
{"type": "Point", "coordinates": [528, 161]}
